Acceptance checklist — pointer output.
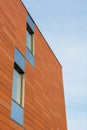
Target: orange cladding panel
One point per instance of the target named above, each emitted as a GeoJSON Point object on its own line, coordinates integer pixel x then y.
{"type": "Point", "coordinates": [44, 106]}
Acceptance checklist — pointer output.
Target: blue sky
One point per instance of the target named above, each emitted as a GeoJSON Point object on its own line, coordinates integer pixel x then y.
{"type": "Point", "coordinates": [64, 26]}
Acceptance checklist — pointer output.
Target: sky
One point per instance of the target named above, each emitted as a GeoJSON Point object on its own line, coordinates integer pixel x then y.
{"type": "Point", "coordinates": [63, 23]}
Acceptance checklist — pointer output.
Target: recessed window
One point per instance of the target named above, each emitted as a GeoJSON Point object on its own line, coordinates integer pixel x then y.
{"type": "Point", "coordinates": [18, 86]}
{"type": "Point", "coordinates": [17, 106]}
{"type": "Point", "coordinates": [29, 40]}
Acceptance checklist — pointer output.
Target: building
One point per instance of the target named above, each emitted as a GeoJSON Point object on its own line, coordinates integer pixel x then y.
{"type": "Point", "coordinates": [31, 84]}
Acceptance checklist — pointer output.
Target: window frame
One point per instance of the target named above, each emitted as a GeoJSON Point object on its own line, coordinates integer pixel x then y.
{"type": "Point", "coordinates": [21, 91]}
{"type": "Point", "coordinates": [31, 49]}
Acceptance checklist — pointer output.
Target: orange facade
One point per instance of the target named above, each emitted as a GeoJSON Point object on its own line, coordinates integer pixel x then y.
{"type": "Point", "coordinates": [44, 107]}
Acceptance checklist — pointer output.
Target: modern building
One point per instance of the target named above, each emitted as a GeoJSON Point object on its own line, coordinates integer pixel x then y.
{"type": "Point", "coordinates": [31, 83]}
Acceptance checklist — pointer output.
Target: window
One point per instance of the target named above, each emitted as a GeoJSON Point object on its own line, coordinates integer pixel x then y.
{"type": "Point", "coordinates": [17, 105]}
{"type": "Point", "coordinates": [29, 39]}
{"type": "Point", "coordinates": [18, 86]}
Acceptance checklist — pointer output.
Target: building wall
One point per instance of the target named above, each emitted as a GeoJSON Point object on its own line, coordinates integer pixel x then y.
{"type": "Point", "coordinates": [44, 107]}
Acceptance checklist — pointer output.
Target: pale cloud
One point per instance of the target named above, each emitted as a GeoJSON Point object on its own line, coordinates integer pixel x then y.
{"type": "Point", "coordinates": [78, 124]}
